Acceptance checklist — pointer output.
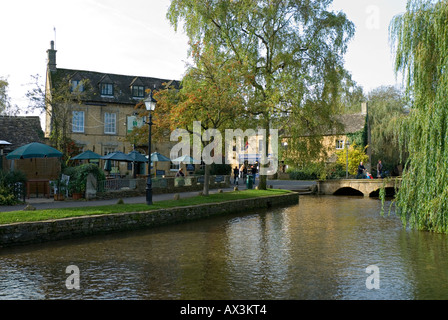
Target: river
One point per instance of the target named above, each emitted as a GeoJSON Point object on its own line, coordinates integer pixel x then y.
{"type": "Point", "coordinates": [319, 249]}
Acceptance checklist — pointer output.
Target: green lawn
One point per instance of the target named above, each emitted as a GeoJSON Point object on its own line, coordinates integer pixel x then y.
{"type": "Point", "coordinates": [39, 215]}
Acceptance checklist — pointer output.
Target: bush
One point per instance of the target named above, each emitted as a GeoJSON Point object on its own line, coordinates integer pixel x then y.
{"type": "Point", "coordinates": [78, 176]}
{"type": "Point", "coordinates": [318, 171]}
{"type": "Point", "coordinates": [356, 154]}
{"type": "Point", "coordinates": [220, 169]}
{"type": "Point", "coordinates": [217, 170]}
{"type": "Point", "coordinates": [311, 171]}
{"type": "Point", "coordinates": [12, 186]}
{"type": "Point", "coordinates": [336, 171]}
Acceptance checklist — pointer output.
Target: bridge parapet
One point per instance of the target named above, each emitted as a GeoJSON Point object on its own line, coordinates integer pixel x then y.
{"type": "Point", "coordinates": [365, 186]}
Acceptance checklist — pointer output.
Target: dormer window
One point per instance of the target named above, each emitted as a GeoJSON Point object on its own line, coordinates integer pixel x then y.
{"type": "Point", "coordinates": [76, 85]}
{"type": "Point", "coordinates": [138, 91]}
{"type": "Point", "coordinates": [107, 89]}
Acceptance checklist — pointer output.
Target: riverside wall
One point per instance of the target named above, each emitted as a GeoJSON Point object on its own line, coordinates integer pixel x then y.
{"type": "Point", "coordinates": [67, 228]}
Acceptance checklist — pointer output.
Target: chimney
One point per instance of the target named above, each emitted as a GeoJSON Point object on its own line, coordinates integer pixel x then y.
{"type": "Point", "coordinates": [364, 108]}
{"type": "Point", "coordinates": [51, 63]}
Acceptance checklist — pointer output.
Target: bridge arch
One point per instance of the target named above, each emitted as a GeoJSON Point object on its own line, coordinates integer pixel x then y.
{"type": "Point", "coordinates": [348, 191]}
{"type": "Point", "coordinates": [390, 192]}
{"type": "Point", "coordinates": [366, 187]}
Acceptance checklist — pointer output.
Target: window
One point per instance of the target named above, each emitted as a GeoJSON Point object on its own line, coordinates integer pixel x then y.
{"type": "Point", "coordinates": [107, 150]}
{"type": "Point", "coordinates": [78, 121]}
{"type": "Point", "coordinates": [138, 91]}
{"type": "Point", "coordinates": [340, 144]}
{"type": "Point", "coordinates": [175, 166]}
{"type": "Point", "coordinates": [107, 89]}
{"type": "Point", "coordinates": [76, 85]}
{"type": "Point", "coordinates": [110, 123]}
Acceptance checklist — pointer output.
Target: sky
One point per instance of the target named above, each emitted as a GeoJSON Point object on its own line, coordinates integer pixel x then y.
{"type": "Point", "coordinates": [133, 37]}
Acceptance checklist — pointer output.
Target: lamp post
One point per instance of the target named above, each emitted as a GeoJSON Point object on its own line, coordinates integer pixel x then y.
{"type": "Point", "coordinates": [150, 105]}
{"type": "Point", "coordinates": [347, 144]}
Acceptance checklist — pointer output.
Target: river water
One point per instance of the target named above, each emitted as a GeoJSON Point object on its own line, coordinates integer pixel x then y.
{"type": "Point", "coordinates": [319, 249]}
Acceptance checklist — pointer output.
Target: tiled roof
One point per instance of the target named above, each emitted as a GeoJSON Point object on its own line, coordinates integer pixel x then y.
{"type": "Point", "coordinates": [122, 85]}
{"type": "Point", "coordinates": [351, 123]}
{"type": "Point", "coordinates": [342, 125]}
{"type": "Point", "coordinates": [20, 131]}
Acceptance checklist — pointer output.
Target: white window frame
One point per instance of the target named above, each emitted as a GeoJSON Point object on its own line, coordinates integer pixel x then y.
{"type": "Point", "coordinates": [174, 166]}
{"type": "Point", "coordinates": [110, 123]}
{"type": "Point", "coordinates": [340, 144]}
{"type": "Point", "coordinates": [76, 85]}
{"type": "Point", "coordinates": [107, 89]}
{"type": "Point", "coordinates": [138, 91]}
{"type": "Point", "coordinates": [78, 121]}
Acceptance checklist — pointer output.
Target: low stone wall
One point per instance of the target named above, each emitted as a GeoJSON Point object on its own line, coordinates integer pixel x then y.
{"type": "Point", "coordinates": [51, 230]}
{"type": "Point", "coordinates": [168, 186]}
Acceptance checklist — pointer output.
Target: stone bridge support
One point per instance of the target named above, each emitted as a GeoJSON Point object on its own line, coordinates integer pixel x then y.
{"type": "Point", "coordinates": [365, 186]}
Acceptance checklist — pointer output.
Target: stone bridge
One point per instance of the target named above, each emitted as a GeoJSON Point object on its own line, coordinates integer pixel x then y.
{"type": "Point", "coordinates": [366, 187]}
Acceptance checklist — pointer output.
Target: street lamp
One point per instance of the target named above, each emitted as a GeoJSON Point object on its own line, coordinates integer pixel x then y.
{"type": "Point", "coordinates": [347, 144]}
{"type": "Point", "coordinates": [150, 105]}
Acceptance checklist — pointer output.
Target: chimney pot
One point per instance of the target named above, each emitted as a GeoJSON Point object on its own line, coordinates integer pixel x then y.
{"type": "Point", "coordinates": [364, 108]}
{"type": "Point", "coordinates": [51, 57]}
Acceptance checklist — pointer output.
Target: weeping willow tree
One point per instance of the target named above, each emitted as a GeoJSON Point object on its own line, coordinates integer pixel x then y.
{"type": "Point", "coordinates": [420, 38]}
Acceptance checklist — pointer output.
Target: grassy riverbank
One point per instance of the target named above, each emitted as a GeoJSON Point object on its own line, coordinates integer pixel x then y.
{"type": "Point", "coordinates": [49, 214]}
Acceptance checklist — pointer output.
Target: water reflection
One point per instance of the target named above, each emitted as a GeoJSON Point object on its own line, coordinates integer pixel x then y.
{"type": "Point", "coordinates": [319, 249]}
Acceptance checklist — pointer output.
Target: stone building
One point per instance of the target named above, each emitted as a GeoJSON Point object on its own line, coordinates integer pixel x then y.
{"type": "Point", "coordinates": [335, 139]}
{"type": "Point", "coordinates": [20, 131]}
{"type": "Point", "coordinates": [106, 113]}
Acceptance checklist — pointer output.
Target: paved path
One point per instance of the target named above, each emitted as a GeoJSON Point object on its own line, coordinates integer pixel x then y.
{"type": "Point", "coordinates": [44, 203]}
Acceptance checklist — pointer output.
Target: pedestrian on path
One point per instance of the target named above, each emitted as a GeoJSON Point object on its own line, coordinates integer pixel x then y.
{"type": "Point", "coordinates": [236, 173]}
{"type": "Point", "coordinates": [361, 170]}
{"type": "Point", "coordinates": [254, 172]}
{"type": "Point", "coordinates": [379, 169]}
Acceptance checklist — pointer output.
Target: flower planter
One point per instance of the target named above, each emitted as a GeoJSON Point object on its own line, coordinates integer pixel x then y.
{"type": "Point", "coordinates": [59, 197]}
{"type": "Point", "coordinates": [77, 196]}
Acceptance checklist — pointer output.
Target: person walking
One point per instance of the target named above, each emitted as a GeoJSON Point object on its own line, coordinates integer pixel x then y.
{"type": "Point", "coordinates": [180, 173]}
{"type": "Point", "coordinates": [361, 169]}
{"type": "Point", "coordinates": [242, 171]}
{"type": "Point", "coordinates": [379, 170]}
{"type": "Point", "coordinates": [236, 172]}
{"type": "Point", "coordinates": [254, 173]}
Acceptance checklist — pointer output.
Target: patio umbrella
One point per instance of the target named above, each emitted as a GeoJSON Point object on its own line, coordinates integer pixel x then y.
{"type": "Point", "coordinates": [137, 156]}
{"type": "Point", "coordinates": [117, 156]}
{"type": "Point", "coordinates": [108, 166]}
{"type": "Point", "coordinates": [86, 155]}
{"type": "Point", "coordinates": [157, 157]}
{"type": "Point", "coordinates": [4, 143]}
{"type": "Point", "coordinates": [185, 159]}
{"type": "Point", "coordinates": [34, 150]}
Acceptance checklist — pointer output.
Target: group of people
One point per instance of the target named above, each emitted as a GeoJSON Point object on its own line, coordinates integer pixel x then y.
{"type": "Point", "coordinates": [363, 173]}
{"type": "Point", "coordinates": [237, 173]}
{"type": "Point", "coordinates": [243, 171]}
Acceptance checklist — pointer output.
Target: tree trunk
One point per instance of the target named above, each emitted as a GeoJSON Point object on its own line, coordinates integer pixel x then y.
{"type": "Point", "coordinates": [262, 185]}
{"type": "Point", "coordinates": [206, 188]}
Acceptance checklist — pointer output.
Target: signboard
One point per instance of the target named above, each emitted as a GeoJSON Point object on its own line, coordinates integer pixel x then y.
{"type": "Point", "coordinates": [134, 122]}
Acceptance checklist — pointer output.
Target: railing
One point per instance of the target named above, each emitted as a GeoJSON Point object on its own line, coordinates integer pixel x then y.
{"type": "Point", "coordinates": [168, 183]}
{"type": "Point", "coordinates": [118, 184]}
{"type": "Point", "coordinates": [19, 190]}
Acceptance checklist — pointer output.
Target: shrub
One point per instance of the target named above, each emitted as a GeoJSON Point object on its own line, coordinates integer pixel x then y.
{"type": "Point", "coordinates": [12, 186]}
{"type": "Point", "coordinates": [311, 171]}
{"type": "Point", "coordinates": [78, 176]}
{"type": "Point", "coordinates": [356, 154]}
